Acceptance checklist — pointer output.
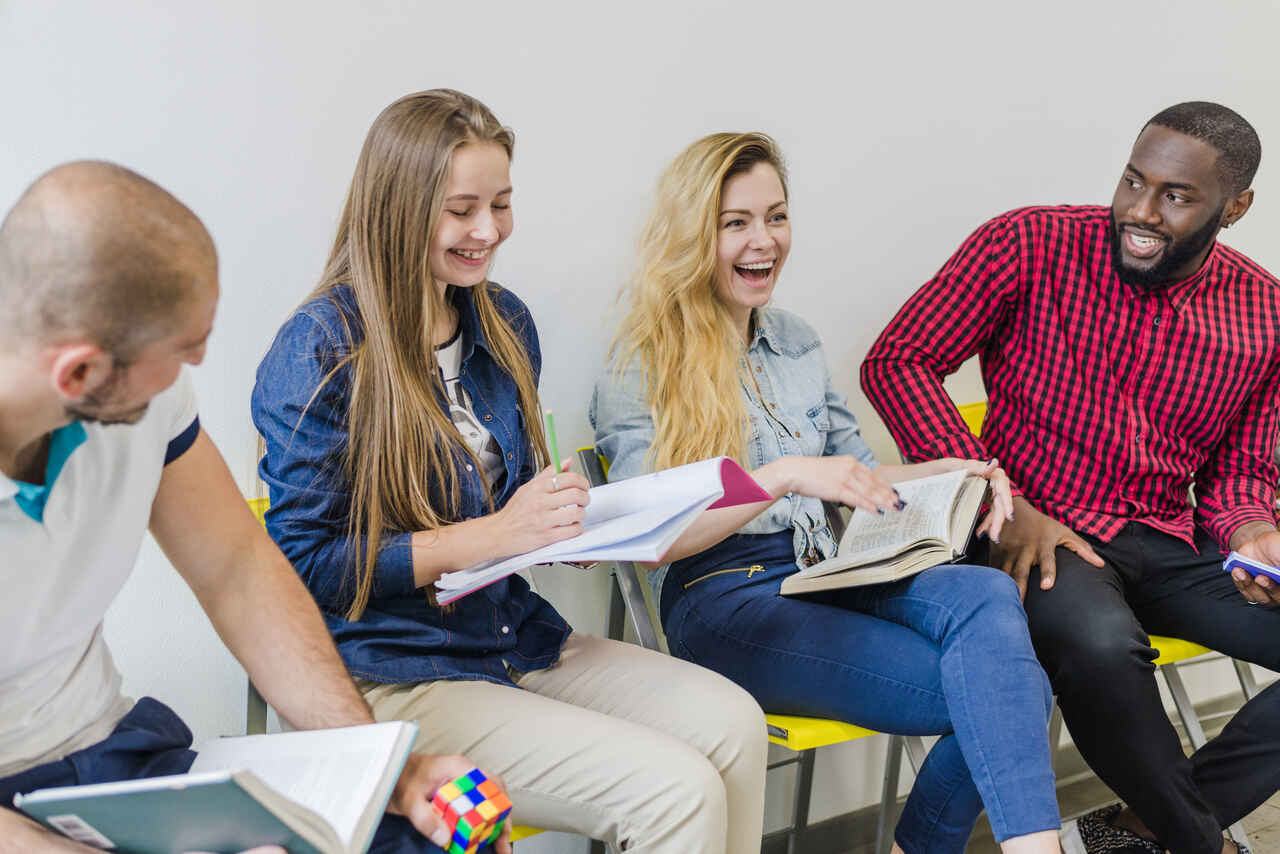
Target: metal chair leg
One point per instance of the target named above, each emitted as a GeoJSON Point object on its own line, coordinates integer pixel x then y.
{"type": "Point", "coordinates": [1195, 732]}
{"type": "Point", "coordinates": [255, 720]}
{"type": "Point", "coordinates": [614, 625]}
{"type": "Point", "coordinates": [1245, 674]}
{"type": "Point", "coordinates": [889, 795]}
{"type": "Point", "coordinates": [1055, 735]}
{"type": "Point", "coordinates": [915, 751]}
{"type": "Point", "coordinates": [800, 807]}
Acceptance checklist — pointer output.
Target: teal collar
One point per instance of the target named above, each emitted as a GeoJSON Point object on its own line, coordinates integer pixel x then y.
{"type": "Point", "coordinates": [31, 498]}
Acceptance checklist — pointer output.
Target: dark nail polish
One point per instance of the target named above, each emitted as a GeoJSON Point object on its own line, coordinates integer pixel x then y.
{"type": "Point", "coordinates": [900, 505]}
{"type": "Point", "coordinates": [880, 510]}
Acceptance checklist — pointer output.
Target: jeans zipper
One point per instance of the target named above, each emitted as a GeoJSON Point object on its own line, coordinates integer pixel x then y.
{"type": "Point", "coordinates": [749, 570]}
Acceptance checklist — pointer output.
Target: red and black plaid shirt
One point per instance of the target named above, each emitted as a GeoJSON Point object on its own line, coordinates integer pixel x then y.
{"type": "Point", "coordinates": [1105, 402]}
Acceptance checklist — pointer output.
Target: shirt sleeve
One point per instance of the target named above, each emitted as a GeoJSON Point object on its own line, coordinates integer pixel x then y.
{"type": "Point", "coordinates": [183, 423]}
{"type": "Point", "coordinates": [623, 420]}
{"type": "Point", "coordinates": [954, 316]}
{"type": "Point", "coordinates": [844, 436]}
{"type": "Point", "coordinates": [304, 426]}
{"type": "Point", "coordinates": [1237, 484]}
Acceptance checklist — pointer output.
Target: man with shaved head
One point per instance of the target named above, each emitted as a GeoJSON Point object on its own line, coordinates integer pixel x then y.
{"type": "Point", "coordinates": [1130, 359]}
{"type": "Point", "coordinates": [108, 286]}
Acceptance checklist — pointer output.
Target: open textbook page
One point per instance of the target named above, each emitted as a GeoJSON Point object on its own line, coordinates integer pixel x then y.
{"type": "Point", "coordinates": [314, 792]}
{"type": "Point", "coordinates": [871, 537]}
{"type": "Point", "coordinates": [634, 519]}
{"type": "Point", "coordinates": [935, 527]}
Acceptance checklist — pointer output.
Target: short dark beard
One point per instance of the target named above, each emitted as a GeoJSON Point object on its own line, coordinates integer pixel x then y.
{"type": "Point", "coordinates": [1176, 254]}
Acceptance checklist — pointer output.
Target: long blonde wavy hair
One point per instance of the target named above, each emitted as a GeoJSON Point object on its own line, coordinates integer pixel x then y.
{"type": "Point", "coordinates": [676, 324]}
{"type": "Point", "coordinates": [403, 451]}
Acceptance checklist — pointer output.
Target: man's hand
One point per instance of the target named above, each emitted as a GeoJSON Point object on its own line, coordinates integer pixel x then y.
{"type": "Point", "coordinates": [422, 775]}
{"type": "Point", "coordinates": [1261, 542]}
{"type": "Point", "coordinates": [1029, 539]}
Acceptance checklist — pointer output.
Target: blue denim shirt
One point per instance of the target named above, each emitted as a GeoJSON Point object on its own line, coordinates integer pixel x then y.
{"type": "Point", "coordinates": [401, 637]}
{"type": "Point", "coordinates": [797, 412]}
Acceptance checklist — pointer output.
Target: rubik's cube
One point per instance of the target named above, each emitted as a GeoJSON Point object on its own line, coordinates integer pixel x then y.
{"type": "Point", "coordinates": [474, 808]}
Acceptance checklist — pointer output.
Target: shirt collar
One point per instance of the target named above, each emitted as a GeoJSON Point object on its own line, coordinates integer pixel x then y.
{"type": "Point", "coordinates": [468, 321]}
{"type": "Point", "coordinates": [31, 498]}
{"type": "Point", "coordinates": [1179, 293]}
{"type": "Point", "coordinates": [765, 332]}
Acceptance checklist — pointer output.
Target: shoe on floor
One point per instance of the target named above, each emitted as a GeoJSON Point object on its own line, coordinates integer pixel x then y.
{"type": "Point", "coordinates": [1100, 836]}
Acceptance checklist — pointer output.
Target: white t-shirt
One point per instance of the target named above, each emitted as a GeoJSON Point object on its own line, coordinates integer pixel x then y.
{"type": "Point", "coordinates": [59, 688]}
{"type": "Point", "coordinates": [479, 439]}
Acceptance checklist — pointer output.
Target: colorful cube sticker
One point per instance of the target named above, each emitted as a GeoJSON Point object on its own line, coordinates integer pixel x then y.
{"type": "Point", "coordinates": [475, 810]}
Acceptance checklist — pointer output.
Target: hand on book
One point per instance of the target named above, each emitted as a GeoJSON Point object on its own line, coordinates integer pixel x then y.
{"type": "Point", "coordinates": [547, 509]}
{"type": "Point", "coordinates": [422, 775]}
{"type": "Point", "coordinates": [1001, 495]}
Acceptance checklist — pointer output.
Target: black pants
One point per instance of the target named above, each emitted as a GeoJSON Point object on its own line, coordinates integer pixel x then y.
{"type": "Point", "coordinates": [1090, 633]}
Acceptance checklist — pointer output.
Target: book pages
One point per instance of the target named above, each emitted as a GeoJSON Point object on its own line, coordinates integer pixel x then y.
{"type": "Point", "coordinates": [871, 537]}
{"type": "Point", "coordinates": [331, 772]}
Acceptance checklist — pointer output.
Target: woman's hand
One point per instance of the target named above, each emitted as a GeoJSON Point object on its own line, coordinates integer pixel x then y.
{"type": "Point", "coordinates": [1001, 495]}
{"type": "Point", "coordinates": [842, 479]}
{"type": "Point", "coordinates": [547, 509]}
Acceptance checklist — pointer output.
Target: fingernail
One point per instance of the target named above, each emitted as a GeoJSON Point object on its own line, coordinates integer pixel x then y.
{"type": "Point", "coordinates": [995, 540]}
{"type": "Point", "coordinates": [880, 510]}
{"type": "Point", "coordinates": [900, 505]}
{"type": "Point", "coordinates": [895, 492]}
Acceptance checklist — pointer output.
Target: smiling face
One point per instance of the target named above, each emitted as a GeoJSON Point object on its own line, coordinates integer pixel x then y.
{"type": "Point", "coordinates": [476, 216]}
{"type": "Point", "coordinates": [1168, 207]}
{"type": "Point", "coordinates": [753, 239]}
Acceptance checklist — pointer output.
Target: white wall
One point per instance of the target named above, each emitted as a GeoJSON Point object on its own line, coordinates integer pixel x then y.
{"type": "Point", "coordinates": [906, 125]}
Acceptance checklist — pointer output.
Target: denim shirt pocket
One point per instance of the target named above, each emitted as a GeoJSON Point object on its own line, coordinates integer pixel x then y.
{"type": "Point", "coordinates": [813, 430]}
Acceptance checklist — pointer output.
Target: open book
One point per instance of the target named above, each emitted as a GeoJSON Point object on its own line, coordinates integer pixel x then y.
{"type": "Point", "coordinates": [936, 526]}
{"type": "Point", "coordinates": [634, 519]}
{"type": "Point", "coordinates": [312, 792]}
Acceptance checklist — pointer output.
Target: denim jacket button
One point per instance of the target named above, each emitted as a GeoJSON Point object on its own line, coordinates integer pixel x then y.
{"type": "Point", "coordinates": [506, 630]}
{"type": "Point", "coordinates": [488, 418]}
{"type": "Point", "coordinates": [511, 456]}
{"type": "Point", "coordinates": [469, 467]}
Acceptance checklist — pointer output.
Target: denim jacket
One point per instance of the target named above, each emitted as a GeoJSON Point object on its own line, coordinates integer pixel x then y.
{"type": "Point", "coordinates": [796, 412]}
{"type": "Point", "coordinates": [401, 637]}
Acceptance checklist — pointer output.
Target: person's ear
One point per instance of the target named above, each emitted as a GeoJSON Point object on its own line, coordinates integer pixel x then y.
{"type": "Point", "coordinates": [79, 370]}
{"type": "Point", "coordinates": [1237, 208]}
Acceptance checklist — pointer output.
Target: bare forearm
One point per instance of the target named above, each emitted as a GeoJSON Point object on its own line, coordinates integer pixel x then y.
{"type": "Point", "coordinates": [21, 835]}
{"type": "Point", "coordinates": [457, 546]}
{"type": "Point", "coordinates": [269, 621]}
{"type": "Point", "coordinates": [896, 473]}
{"type": "Point", "coordinates": [715, 525]}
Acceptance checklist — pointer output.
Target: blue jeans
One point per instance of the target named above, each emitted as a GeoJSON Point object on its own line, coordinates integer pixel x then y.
{"type": "Point", "coordinates": [945, 652]}
{"type": "Point", "coordinates": [152, 741]}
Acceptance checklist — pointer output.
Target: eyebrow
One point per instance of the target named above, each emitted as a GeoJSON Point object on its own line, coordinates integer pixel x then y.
{"type": "Point", "coordinates": [1171, 184]}
{"type": "Point", "coordinates": [468, 197]}
{"type": "Point", "coordinates": [748, 213]}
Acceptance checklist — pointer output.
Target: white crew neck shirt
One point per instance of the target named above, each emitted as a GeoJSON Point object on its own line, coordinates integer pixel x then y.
{"type": "Point", "coordinates": [59, 688]}
{"type": "Point", "coordinates": [474, 433]}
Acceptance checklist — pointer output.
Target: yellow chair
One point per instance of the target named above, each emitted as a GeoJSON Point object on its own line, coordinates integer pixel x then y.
{"type": "Point", "coordinates": [801, 735]}
{"type": "Point", "coordinates": [256, 715]}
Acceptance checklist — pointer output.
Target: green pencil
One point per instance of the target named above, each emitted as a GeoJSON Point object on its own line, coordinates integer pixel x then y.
{"type": "Point", "coordinates": [551, 437]}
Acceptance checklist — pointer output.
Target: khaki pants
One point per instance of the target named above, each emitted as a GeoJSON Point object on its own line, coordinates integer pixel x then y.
{"type": "Point", "coordinates": [615, 742]}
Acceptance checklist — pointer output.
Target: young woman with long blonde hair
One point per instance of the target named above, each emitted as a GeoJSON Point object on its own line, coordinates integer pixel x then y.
{"type": "Point", "coordinates": [403, 436]}
{"type": "Point", "coordinates": [703, 365]}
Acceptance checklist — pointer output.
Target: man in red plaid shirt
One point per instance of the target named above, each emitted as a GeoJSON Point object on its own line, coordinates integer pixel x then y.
{"type": "Point", "coordinates": [1128, 359]}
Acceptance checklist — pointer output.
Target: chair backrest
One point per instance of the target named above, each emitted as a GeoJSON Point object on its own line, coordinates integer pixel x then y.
{"type": "Point", "coordinates": [627, 575]}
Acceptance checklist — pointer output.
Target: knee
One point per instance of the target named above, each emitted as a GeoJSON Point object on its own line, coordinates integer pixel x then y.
{"type": "Point", "coordinates": [1094, 644]}
{"type": "Point", "coordinates": [992, 602]}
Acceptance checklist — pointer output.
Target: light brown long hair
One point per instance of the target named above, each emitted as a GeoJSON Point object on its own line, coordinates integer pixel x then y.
{"type": "Point", "coordinates": [676, 324]}
{"type": "Point", "coordinates": [403, 450]}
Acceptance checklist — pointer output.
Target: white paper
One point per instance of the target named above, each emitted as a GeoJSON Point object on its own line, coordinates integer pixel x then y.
{"type": "Point", "coordinates": [638, 512]}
